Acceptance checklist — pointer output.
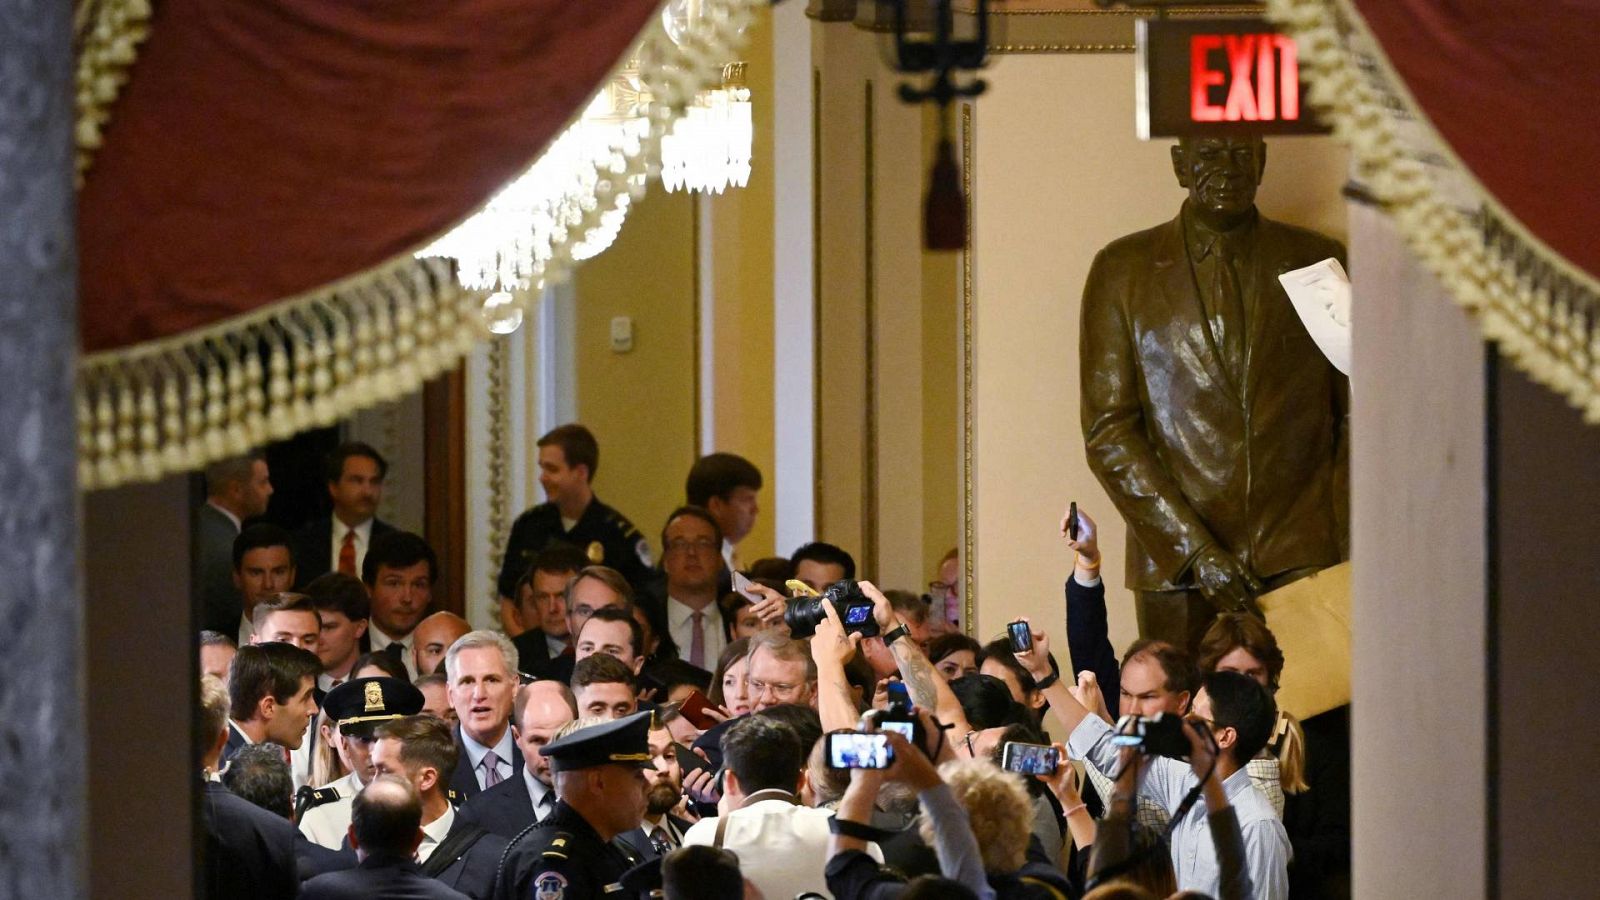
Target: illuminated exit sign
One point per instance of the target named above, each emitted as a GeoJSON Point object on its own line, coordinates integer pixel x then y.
{"type": "Point", "coordinates": [1219, 76]}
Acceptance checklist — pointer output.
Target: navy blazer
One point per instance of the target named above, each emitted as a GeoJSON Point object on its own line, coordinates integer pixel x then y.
{"type": "Point", "coordinates": [248, 852]}
{"type": "Point", "coordinates": [639, 840]}
{"type": "Point", "coordinates": [313, 547]}
{"type": "Point", "coordinates": [1089, 641]}
{"type": "Point", "coordinates": [472, 867]}
{"type": "Point", "coordinates": [313, 859]}
{"type": "Point", "coordinates": [464, 782]}
{"type": "Point", "coordinates": [393, 878]}
{"type": "Point", "coordinates": [211, 587]}
{"type": "Point", "coordinates": [504, 809]}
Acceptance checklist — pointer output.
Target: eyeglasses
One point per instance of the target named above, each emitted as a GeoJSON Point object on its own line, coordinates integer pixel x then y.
{"type": "Point", "coordinates": [699, 545]}
{"type": "Point", "coordinates": [941, 589]}
{"type": "Point", "coordinates": [757, 688]}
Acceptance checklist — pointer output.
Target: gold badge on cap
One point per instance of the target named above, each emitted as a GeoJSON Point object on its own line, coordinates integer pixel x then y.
{"type": "Point", "coordinates": [374, 697]}
{"type": "Point", "coordinates": [597, 552]}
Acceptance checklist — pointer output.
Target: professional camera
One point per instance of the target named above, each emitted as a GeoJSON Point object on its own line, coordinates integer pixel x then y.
{"type": "Point", "coordinates": [855, 611]}
{"type": "Point", "coordinates": [1157, 735]}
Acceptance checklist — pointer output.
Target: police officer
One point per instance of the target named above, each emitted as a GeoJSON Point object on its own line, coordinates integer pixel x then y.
{"type": "Point", "coordinates": [600, 786]}
{"type": "Point", "coordinates": [358, 707]}
{"type": "Point", "coordinates": [568, 459]}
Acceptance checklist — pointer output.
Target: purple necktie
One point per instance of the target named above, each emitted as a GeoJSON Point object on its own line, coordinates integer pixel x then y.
{"type": "Point", "coordinates": [491, 770]}
{"type": "Point", "coordinates": [697, 641]}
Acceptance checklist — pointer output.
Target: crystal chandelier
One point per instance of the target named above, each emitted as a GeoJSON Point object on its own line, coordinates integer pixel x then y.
{"type": "Point", "coordinates": [708, 148]}
{"type": "Point", "coordinates": [507, 243]}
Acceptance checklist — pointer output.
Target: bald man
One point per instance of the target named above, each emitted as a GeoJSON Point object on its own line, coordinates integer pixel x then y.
{"type": "Point", "coordinates": [433, 637]}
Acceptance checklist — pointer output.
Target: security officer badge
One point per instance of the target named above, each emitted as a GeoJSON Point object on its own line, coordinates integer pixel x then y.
{"type": "Point", "coordinates": [550, 886]}
{"type": "Point", "coordinates": [596, 553]}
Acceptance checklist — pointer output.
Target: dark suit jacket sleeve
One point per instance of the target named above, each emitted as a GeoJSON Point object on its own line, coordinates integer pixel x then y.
{"type": "Point", "coordinates": [1119, 452]}
{"type": "Point", "coordinates": [1088, 639]}
{"type": "Point", "coordinates": [212, 579]}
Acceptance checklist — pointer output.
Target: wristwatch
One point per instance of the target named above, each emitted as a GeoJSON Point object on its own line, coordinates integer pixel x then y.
{"type": "Point", "coordinates": [1047, 681]}
{"type": "Point", "coordinates": [895, 634]}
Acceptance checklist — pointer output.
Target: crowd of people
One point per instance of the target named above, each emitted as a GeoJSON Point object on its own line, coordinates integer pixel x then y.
{"type": "Point", "coordinates": [702, 727]}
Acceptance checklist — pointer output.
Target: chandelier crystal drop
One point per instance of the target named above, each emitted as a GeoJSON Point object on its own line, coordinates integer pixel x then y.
{"type": "Point", "coordinates": [708, 149]}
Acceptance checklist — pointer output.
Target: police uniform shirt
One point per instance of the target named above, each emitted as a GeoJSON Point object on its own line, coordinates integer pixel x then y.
{"type": "Point", "coordinates": [561, 858]}
{"type": "Point", "coordinates": [327, 823]}
{"type": "Point", "coordinates": [604, 534]}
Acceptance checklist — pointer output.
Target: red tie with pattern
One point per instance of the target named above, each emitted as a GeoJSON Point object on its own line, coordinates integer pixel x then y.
{"type": "Point", "coordinates": [347, 553]}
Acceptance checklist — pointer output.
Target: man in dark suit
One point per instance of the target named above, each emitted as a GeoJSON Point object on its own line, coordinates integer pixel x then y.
{"type": "Point", "coordinates": [271, 693]}
{"type": "Point", "coordinates": [514, 804]}
{"type": "Point", "coordinates": [541, 606]}
{"type": "Point", "coordinates": [385, 832]}
{"type": "Point", "coordinates": [459, 853]}
{"type": "Point", "coordinates": [247, 851]}
{"type": "Point", "coordinates": [338, 542]}
{"type": "Point", "coordinates": [660, 832]}
{"type": "Point", "coordinates": [237, 489]}
{"type": "Point", "coordinates": [482, 668]}
{"type": "Point", "coordinates": [1209, 415]}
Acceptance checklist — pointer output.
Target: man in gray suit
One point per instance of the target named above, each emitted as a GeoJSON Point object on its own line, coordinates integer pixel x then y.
{"type": "Point", "coordinates": [1210, 417]}
{"type": "Point", "coordinates": [237, 489]}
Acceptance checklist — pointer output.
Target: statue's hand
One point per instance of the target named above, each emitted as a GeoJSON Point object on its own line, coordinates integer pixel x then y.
{"type": "Point", "coordinates": [1225, 581]}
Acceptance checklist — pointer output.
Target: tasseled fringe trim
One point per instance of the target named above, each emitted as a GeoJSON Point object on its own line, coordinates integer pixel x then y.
{"type": "Point", "coordinates": [179, 403]}
{"type": "Point", "coordinates": [106, 36]}
{"type": "Point", "coordinates": [1539, 309]}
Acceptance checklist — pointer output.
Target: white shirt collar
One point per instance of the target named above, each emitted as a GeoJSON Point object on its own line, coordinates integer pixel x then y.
{"type": "Point", "coordinates": [557, 645]}
{"type": "Point", "coordinates": [246, 630]}
{"type": "Point", "coordinates": [727, 553]}
{"type": "Point", "coordinates": [434, 833]}
{"type": "Point", "coordinates": [237, 525]}
{"type": "Point", "coordinates": [380, 640]}
{"type": "Point", "coordinates": [536, 788]}
{"type": "Point", "coordinates": [363, 531]}
{"type": "Point", "coordinates": [681, 615]}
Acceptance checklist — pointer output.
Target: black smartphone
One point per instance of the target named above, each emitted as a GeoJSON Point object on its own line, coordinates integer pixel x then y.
{"type": "Point", "coordinates": [1030, 759]}
{"type": "Point", "coordinates": [858, 750]}
{"type": "Point", "coordinates": [1072, 520]}
{"type": "Point", "coordinates": [688, 760]}
{"type": "Point", "coordinates": [1021, 637]}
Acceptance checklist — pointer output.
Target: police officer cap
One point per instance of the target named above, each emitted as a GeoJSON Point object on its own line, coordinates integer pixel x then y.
{"type": "Point", "coordinates": [620, 741]}
{"type": "Point", "coordinates": [360, 704]}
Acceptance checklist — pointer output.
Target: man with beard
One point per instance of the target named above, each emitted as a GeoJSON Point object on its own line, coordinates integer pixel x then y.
{"type": "Point", "coordinates": [357, 707]}
{"type": "Point", "coordinates": [660, 832]}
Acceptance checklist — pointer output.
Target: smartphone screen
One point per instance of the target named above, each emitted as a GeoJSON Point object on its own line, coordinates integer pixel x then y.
{"type": "Point", "coordinates": [741, 584]}
{"type": "Point", "coordinates": [854, 750]}
{"type": "Point", "coordinates": [688, 760]}
{"type": "Point", "coordinates": [898, 693]}
{"type": "Point", "coordinates": [1030, 759]}
{"type": "Point", "coordinates": [1021, 637]}
{"type": "Point", "coordinates": [907, 730]}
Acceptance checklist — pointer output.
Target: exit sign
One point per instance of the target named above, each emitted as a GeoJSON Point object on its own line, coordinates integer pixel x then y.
{"type": "Point", "coordinates": [1218, 77]}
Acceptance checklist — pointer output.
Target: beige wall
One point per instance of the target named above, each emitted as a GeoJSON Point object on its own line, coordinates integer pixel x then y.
{"type": "Point", "coordinates": [1058, 175]}
{"type": "Point", "coordinates": [741, 237]}
{"type": "Point", "coordinates": [641, 404]}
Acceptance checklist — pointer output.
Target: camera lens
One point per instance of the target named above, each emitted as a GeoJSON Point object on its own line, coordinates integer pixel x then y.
{"type": "Point", "coordinates": [803, 614]}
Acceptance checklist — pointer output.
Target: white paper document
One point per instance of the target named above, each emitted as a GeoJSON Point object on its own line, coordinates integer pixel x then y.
{"type": "Point", "coordinates": [1321, 295]}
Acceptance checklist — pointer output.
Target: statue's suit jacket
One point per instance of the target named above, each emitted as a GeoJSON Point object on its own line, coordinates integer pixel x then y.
{"type": "Point", "coordinates": [1189, 457]}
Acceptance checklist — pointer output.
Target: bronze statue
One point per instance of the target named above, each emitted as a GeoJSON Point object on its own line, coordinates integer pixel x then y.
{"type": "Point", "coordinates": [1209, 415]}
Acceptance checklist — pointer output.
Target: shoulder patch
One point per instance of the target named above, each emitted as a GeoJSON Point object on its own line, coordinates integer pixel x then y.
{"type": "Point", "coordinates": [550, 886]}
{"type": "Point", "coordinates": [643, 549]}
{"type": "Point", "coordinates": [454, 796]}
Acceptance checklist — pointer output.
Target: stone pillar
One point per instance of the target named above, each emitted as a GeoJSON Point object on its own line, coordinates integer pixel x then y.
{"type": "Point", "coordinates": [41, 715]}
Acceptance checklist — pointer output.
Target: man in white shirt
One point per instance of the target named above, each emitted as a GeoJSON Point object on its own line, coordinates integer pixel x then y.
{"type": "Point", "coordinates": [725, 485]}
{"type": "Point", "coordinates": [356, 707]}
{"type": "Point", "coordinates": [692, 561]}
{"type": "Point", "coordinates": [421, 750]}
{"type": "Point", "coordinates": [482, 668]}
{"type": "Point", "coordinates": [1239, 714]}
{"type": "Point", "coordinates": [514, 804]}
{"type": "Point", "coordinates": [782, 845]}
{"type": "Point", "coordinates": [339, 541]}
{"type": "Point", "coordinates": [289, 618]}
{"type": "Point", "coordinates": [400, 570]}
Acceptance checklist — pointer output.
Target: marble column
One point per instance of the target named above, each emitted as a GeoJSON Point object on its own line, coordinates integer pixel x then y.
{"type": "Point", "coordinates": [42, 736]}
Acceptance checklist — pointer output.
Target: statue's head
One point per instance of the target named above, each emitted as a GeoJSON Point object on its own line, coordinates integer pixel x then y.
{"type": "Point", "coordinates": [1221, 173]}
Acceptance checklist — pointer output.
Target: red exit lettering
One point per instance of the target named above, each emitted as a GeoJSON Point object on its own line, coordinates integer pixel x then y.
{"type": "Point", "coordinates": [1262, 78]}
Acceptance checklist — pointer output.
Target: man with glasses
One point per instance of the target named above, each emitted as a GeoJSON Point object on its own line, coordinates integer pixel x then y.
{"type": "Point", "coordinates": [595, 588]}
{"type": "Point", "coordinates": [781, 671]}
{"type": "Point", "coordinates": [692, 561]}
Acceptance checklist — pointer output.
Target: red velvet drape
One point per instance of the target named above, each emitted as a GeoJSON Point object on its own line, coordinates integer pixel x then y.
{"type": "Point", "coordinates": [263, 148]}
{"type": "Point", "coordinates": [1513, 87]}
